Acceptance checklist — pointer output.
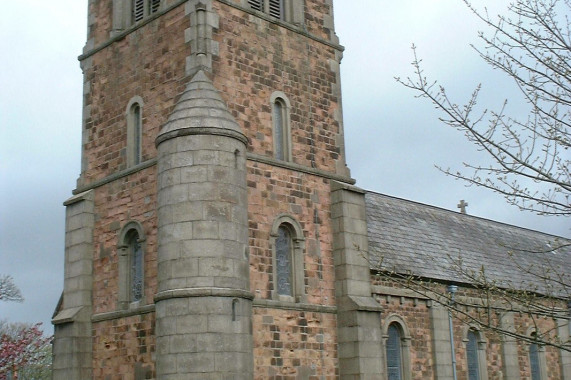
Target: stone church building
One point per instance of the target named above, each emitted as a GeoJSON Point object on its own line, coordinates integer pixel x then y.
{"type": "Point", "coordinates": [216, 233]}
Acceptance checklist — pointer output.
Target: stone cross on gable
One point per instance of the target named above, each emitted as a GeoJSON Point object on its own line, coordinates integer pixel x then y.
{"type": "Point", "coordinates": [462, 206]}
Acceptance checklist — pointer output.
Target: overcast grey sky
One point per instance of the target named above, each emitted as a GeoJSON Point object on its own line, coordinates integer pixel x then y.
{"type": "Point", "coordinates": [393, 140]}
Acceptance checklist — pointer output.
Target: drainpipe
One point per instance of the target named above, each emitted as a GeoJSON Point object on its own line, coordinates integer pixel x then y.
{"type": "Point", "coordinates": [452, 290]}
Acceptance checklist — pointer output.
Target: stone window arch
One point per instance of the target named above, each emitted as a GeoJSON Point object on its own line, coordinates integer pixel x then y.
{"type": "Point", "coordinates": [281, 125]}
{"type": "Point", "coordinates": [131, 250]}
{"type": "Point", "coordinates": [396, 342]}
{"type": "Point", "coordinates": [287, 244]}
{"type": "Point", "coordinates": [537, 363]}
{"type": "Point", "coordinates": [475, 345]}
{"type": "Point", "coordinates": [134, 114]}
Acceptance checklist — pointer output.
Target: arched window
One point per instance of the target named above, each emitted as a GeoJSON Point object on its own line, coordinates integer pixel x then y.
{"type": "Point", "coordinates": [472, 355]}
{"type": "Point", "coordinates": [134, 131]}
{"type": "Point", "coordinates": [475, 344]}
{"type": "Point", "coordinates": [288, 271]}
{"type": "Point", "coordinates": [394, 352]}
{"type": "Point", "coordinates": [396, 339]}
{"type": "Point", "coordinates": [534, 359]}
{"type": "Point", "coordinates": [136, 134]}
{"type": "Point", "coordinates": [279, 130]}
{"type": "Point", "coordinates": [131, 249]}
{"type": "Point", "coordinates": [281, 127]}
{"type": "Point", "coordinates": [136, 264]}
{"type": "Point", "coordinates": [284, 270]}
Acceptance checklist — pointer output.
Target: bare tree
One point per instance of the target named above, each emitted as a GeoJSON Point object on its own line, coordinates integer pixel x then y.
{"type": "Point", "coordinates": [8, 289]}
{"type": "Point", "coordinates": [530, 156]}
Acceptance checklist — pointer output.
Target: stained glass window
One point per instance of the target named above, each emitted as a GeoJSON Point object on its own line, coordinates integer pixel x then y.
{"type": "Point", "coordinates": [534, 360]}
{"type": "Point", "coordinates": [472, 355]}
{"type": "Point", "coordinates": [284, 262]}
{"type": "Point", "coordinates": [136, 253]}
{"type": "Point", "coordinates": [394, 353]}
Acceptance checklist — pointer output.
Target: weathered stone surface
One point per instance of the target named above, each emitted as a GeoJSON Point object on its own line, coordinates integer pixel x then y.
{"type": "Point", "coordinates": [73, 351]}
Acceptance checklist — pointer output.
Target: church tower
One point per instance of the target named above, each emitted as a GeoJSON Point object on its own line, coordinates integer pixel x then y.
{"type": "Point", "coordinates": [208, 234]}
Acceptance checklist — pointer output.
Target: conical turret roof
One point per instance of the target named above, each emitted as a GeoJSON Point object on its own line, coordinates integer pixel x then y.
{"type": "Point", "coordinates": [200, 110]}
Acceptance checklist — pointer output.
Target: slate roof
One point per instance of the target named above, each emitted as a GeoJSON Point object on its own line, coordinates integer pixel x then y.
{"type": "Point", "coordinates": [410, 237]}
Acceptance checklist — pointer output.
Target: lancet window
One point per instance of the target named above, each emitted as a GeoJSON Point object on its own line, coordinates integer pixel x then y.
{"type": "Point", "coordinates": [136, 264]}
{"type": "Point", "coordinates": [281, 126]}
{"type": "Point", "coordinates": [535, 360]}
{"type": "Point", "coordinates": [394, 353]}
{"type": "Point", "coordinates": [131, 249]}
{"type": "Point", "coordinates": [288, 273]}
{"type": "Point", "coordinates": [396, 340]}
{"type": "Point", "coordinates": [284, 268]}
{"type": "Point", "coordinates": [472, 356]}
{"type": "Point", "coordinates": [134, 131]}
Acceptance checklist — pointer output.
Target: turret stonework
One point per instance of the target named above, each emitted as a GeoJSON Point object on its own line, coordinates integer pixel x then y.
{"type": "Point", "coordinates": [203, 303]}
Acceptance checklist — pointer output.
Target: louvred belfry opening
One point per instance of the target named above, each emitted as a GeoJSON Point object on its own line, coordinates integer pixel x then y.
{"type": "Point", "coordinates": [257, 5]}
{"type": "Point", "coordinates": [138, 10]}
{"type": "Point", "coordinates": [143, 8]}
{"type": "Point", "coordinates": [276, 9]}
{"type": "Point", "coordinates": [154, 6]}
